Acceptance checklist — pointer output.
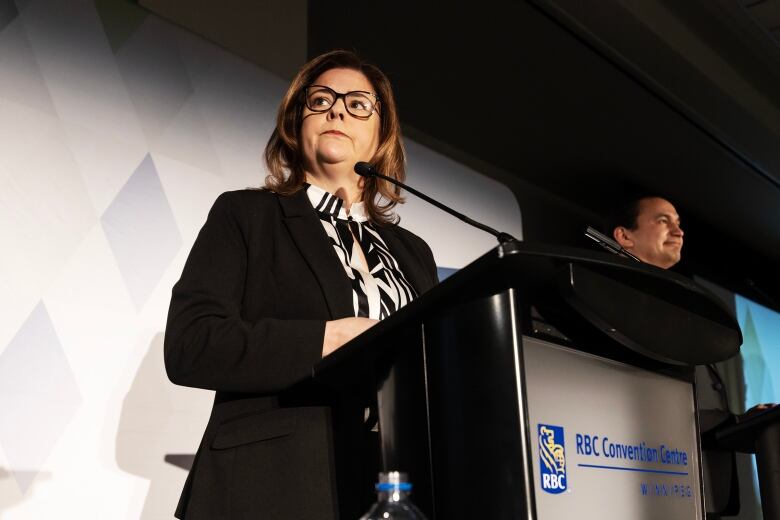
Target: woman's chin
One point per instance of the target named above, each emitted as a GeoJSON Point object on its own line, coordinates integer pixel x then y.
{"type": "Point", "coordinates": [335, 159]}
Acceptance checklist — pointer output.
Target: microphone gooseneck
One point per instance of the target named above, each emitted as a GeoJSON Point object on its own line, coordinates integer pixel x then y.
{"type": "Point", "coordinates": [607, 243]}
{"type": "Point", "coordinates": [364, 169]}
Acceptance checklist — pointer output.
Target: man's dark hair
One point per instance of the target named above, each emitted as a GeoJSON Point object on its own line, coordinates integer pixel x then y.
{"type": "Point", "coordinates": [626, 214]}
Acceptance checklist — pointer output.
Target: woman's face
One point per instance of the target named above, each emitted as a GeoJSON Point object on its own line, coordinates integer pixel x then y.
{"type": "Point", "coordinates": [336, 137]}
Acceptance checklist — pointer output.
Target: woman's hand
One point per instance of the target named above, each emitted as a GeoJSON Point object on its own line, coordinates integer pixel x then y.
{"type": "Point", "coordinates": [339, 332]}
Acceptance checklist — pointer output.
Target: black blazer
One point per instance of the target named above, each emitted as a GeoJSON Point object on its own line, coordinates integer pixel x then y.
{"type": "Point", "coordinates": [247, 319]}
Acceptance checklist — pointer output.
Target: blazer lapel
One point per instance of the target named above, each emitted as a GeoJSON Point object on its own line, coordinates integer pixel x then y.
{"type": "Point", "coordinates": [409, 262]}
{"type": "Point", "coordinates": [306, 231]}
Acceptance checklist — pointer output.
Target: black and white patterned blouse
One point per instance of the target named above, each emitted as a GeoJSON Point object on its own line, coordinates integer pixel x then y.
{"type": "Point", "coordinates": [383, 289]}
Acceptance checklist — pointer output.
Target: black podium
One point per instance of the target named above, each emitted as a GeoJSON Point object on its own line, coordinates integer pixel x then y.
{"type": "Point", "coordinates": [449, 369]}
{"type": "Point", "coordinates": [759, 434]}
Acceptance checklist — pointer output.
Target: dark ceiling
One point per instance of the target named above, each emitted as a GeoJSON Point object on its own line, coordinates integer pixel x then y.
{"type": "Point", "coordinates": [574, 107]}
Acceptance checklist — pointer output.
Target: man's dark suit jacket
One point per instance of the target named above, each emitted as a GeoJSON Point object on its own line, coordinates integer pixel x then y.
{"type": "Point", "coordinates": [247, 319]}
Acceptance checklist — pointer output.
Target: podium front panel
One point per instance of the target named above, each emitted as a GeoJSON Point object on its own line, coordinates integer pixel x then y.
{"type": "Point", "coordinates": [610, 441]}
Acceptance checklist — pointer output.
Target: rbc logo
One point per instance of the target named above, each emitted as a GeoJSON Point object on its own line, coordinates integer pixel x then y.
{"type": "Point", "coordinates": [552, 458]}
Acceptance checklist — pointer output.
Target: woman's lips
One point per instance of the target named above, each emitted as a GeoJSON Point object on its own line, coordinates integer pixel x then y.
{"type": "Point", "coordinates": [335, 132]}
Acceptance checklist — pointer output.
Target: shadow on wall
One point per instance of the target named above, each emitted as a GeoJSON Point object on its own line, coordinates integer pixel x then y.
{"type": "Point", "coordinates": [159, 431]}
{"type": "Point", "coordinates": [10, 493]}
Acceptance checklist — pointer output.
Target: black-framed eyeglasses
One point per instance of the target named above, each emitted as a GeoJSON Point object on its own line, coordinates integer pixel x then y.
{"type": "Point", "coordinates": [359, 103]}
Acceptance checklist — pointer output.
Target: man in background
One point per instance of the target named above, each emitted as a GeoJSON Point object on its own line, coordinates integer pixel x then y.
{"type": "Point", "coordinates": [649, 228]}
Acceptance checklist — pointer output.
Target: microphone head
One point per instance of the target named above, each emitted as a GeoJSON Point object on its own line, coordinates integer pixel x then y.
{"type": "Point", "coordinates": [364, 169]}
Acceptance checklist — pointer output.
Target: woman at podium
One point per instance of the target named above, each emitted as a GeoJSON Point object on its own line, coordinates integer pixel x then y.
{"type": "Point", "coordinates": [280, 277]}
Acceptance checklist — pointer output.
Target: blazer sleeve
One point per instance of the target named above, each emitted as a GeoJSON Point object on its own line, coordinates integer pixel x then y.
{"type": "Point", "coordinates": [430, 263]}
{"type": "Point", "coordinates": [207, 343]}
{"type": "Point", "coordinates": [424, 255]}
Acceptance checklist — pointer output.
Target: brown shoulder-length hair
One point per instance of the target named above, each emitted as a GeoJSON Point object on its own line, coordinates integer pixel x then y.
{"type": "Point", "coordinates": [283, 152]}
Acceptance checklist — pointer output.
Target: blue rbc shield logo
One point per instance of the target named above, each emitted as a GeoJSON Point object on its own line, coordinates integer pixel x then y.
{"type": "Point", "coordinates": [552, 458]}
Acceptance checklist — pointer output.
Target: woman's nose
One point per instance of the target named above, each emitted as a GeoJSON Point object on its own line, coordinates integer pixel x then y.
{"type": "Point", "coordinates": [338, 109]}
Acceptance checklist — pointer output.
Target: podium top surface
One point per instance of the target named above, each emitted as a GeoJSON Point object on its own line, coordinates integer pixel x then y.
{"type": "Point", "coordinates": [742, 435]}
{"type": "Point", "coordinates": [658, 314]}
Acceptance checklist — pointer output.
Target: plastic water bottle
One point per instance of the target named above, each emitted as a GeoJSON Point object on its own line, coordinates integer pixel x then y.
{"type": "Point", "coordinates": [393, 489]}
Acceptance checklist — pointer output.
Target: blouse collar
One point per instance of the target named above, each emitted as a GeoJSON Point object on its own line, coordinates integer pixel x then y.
{"type": "Point", "coordinates": [325, 203]}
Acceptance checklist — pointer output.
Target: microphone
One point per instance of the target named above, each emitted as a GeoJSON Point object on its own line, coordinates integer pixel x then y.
{"type": "Point", "coordinates": [366, 170]}
{"type": "Point", "coordinates": [607, 243]}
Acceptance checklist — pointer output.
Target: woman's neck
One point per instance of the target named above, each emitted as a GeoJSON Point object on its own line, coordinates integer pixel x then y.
{"type": "Point", "coordinates": [345, 186]}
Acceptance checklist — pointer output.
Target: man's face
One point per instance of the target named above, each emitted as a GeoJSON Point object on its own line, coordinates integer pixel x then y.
{"type": "Point", "coordinates": [657, 238]}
